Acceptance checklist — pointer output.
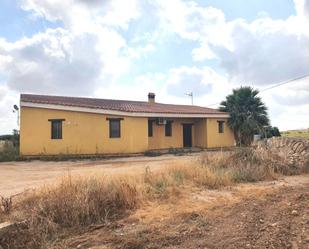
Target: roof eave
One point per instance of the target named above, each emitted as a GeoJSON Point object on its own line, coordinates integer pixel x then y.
{"type": "Point", "coordinates": [122, 113]}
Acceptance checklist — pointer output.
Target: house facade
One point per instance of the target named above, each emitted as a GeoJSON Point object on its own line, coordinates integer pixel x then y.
{"type": "Point", "coordinates": [53, 125]}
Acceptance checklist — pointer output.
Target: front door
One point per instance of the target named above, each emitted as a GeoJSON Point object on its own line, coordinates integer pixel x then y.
{"type": "Point", "coordinates": [187, 135]}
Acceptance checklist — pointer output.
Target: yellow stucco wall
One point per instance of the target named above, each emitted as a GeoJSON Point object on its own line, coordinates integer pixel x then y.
{"type": "Point", "coordinates": [205, 134]}
{"type": "Point", "coordinates": [216, 139]}
{"type": "Point", "coordinates": [87, 133]}
{"type": "Point", "coordinates": [83, 133]}
{"type": "Point", "coordinates": [200, 133]}
{"type": "Point", "coordinates": [160, 141]}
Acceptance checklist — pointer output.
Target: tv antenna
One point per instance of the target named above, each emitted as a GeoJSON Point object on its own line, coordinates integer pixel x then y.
{"type": "Point", "coordinates": [190, 94]}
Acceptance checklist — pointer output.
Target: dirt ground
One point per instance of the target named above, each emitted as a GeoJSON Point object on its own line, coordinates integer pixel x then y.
{"type": "Point", "coordinates": [16, 177]}
{"type": "Point", "coordinates": [271, 214]}
{"type": "Point", "coordinates": [263, 215]}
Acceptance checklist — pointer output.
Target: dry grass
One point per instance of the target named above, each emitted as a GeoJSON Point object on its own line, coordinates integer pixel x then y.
{"type": "Point", "coordinates": [77, 202]}
{"type": "Point", "coordinates": [304, 133]}
{"type": "Point", "coordinates": [73, 204]}
{"type": "Point", "coordinates": [247, 165]}
{"type": "Point", "coordinates": [179, 175]}
{"type": "Point", "coordinates": [83, 201]}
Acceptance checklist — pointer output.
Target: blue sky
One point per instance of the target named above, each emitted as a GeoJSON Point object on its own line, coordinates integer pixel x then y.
{"type": "Point", "coordinates": [249, 10]}
{"type": "Point", "coordinates": [16, 23]}
{"type": "Point", "coordinates": [123, 50]}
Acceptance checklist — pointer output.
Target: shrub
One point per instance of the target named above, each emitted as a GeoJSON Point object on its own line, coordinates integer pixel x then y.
{"type": "Point", "coordinates": [9, 153]}
{"type": "Point", "coordinates": [5, 205]}
{"type": "Point", "coordinates": [248, 165]}
{"type": "Point", "coordinates": [82, 201]}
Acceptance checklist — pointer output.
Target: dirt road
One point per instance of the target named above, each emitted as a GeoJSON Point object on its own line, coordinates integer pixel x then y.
{"type": "Point", "coordinates": [15, 177]}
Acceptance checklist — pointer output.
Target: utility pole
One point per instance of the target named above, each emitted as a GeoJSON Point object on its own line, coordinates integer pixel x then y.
{"type": "Point", "coordinates": [190, 95]}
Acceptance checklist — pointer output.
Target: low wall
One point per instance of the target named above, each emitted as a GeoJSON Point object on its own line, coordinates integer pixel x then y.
{"type": "Point", "coordinates": [295, 151]}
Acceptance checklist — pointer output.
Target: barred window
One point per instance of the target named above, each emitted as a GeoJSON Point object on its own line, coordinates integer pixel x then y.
{"type": "Point", "coordinates": [168, 129]}
{"type": "Point", "coordinates": [221, 126]}
{"type": "Point", "coordinates": [150, 128]}
{"type": "Point", "coordinates": [56, 128]}
{"type": "Point", "coordinates": [114, 128]}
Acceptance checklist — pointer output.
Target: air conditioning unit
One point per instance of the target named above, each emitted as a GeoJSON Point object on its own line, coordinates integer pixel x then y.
{"type": "Point", "coordinates": [161, 121]}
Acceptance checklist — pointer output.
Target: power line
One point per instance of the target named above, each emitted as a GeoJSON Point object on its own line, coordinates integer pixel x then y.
{"type": "Point", "coordinates": [214, 104]}
{"type": "Point", "coordinates": [285, 82]}
{"type": "Point", "coordinates": [274, 86]}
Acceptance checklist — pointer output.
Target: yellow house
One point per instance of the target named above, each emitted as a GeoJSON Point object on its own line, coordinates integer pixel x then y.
{"type": "Point", "coordinates": [53, 125]}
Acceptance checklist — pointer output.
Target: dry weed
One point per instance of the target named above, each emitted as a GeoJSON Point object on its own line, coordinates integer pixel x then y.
{"type": "Point", "coordinates": [72, 204]}
{"type": "Point", "coordinates": [5, 205]}
{"type": "Point", "coordinates": [77, 202]}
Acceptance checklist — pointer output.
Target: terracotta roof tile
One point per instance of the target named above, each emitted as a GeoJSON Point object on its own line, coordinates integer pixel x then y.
{"type": "Point", "coordinates": [117, 105]}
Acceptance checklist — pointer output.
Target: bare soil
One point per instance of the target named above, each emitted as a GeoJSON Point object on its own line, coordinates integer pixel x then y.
{"type": "Point", "coordinates": [263, 215]}
{"type": "Point", "coordinates": [271, 214]}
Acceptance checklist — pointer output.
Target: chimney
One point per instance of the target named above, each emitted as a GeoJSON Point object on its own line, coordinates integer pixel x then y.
{"type": "Point", "coordinates": [151, 97]}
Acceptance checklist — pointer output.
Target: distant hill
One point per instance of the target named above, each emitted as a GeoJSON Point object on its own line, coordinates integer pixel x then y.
{"type": "Point", "coordinates": [304, 133]}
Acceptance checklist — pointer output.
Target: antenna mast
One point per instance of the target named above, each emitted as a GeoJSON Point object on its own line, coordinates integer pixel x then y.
{"type": "Point", "coordinates": [190, 95]}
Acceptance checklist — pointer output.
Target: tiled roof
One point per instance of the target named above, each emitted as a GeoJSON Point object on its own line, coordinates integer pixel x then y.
{"type": "Point", "coordinates": [117, 105]}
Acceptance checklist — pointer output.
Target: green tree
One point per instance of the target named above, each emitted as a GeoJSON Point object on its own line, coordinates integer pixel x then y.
{"type": "Point", "coordinates": [270, 132]}
{"type": "Point", "coordinates": [15, 138]}
{"type": "Point", "coordinates": [276, 132]}
{"type": "Point", "coordinates": [247, 114]}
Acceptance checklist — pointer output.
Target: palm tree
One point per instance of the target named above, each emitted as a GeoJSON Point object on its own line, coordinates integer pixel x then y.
{"type": "Point", "coordinates": [247, 114]}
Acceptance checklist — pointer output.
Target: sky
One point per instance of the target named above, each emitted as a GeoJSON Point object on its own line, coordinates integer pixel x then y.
{"type": "Point", "coordinates": [124, 49]}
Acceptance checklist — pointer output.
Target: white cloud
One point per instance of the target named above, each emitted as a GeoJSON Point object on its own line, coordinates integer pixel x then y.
{"type": "Point", "coordinates": [141, 51]}
{"type": "Point", "coordinates": [80, 15]}
{"type": "Point", "coordinates": [288, 105]}
{"type": "Point", "coordinates": [292, 98]}
{"type": "Point", "coordinates": [185, 80]}
{"type": "Point", "coordinates": [257, 53]}
{"type": "Point", "coordinates": [302, 8]}
{"type": "Point", "coordinates": [170, 87]}
{"type": "Point", "coordinates": [206, 25]}
{"type": "Point", "coordinates": [250, 52]}
{"type": "Point", "coordinates": [58, 62]}
{"type": "Point", "coordinates": [3, 92]}
{"type": "Point", "coordinates": [86, 54]}
{"type": "Point", "coordinates": [101, 40]}
{"type": "Point", "coordinates": [8, 119]}
{"type": "Point", "coordinates": [265, 52]}
{"type": "Point", "coordinates": [207, 86]}
{"type": "Point", "coordinates": [290, 117]}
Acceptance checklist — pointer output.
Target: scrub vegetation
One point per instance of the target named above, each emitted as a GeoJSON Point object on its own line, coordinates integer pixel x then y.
{"type": "Point", "coordinates": [76, 203]}
{"type": "Point", "coordinates": [9, 147]}
{"type": "Point", "coordinates": [8, 152]}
